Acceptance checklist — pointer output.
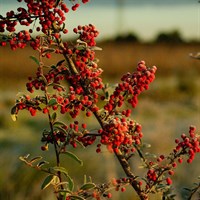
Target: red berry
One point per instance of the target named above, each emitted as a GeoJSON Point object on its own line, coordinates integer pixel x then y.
{"type": "Point", "coordinates": [84, 126]}
{"type": "Point", "coordinates": [3, 43]}
{"type": "Point", "coordinates": [171, 172]}
{"type": "Point", "coordinates": [32, 111]}
{"type": "Point", "coordinates": [180, 160]}
{"type": "Point", "coordinates": [169, 181]}
{"type": "Point", "coordinates": [98, 150]}
{"type": "Point", "coordinates": [44, 148]}
{"type": "Point", "coordinates": [109, 195]}
{"type": "Point", "coordinates": [48, 55]}
{"type": "Point", "coordinates": [174, 165]}
{"type": "Point", "coordinates": [45, 110]}
{"type": "Point", "coordinates": [88, 113]}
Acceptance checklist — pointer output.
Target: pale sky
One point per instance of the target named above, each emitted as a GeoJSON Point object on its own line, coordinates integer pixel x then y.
{"type": "Point", "coordinates": [143, 17]}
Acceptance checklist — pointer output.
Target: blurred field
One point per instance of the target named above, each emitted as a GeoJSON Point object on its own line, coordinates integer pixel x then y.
{"type": "Point", "coordinates": [115, 59]}
{"type": "Point", "coordinates": [165, 111]}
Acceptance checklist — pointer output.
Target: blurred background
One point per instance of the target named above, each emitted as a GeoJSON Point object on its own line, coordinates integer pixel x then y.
{"type": "Point", "coordinates": [163, 33]}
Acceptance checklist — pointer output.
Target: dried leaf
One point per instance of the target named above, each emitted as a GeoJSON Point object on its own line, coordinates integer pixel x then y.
{"type": "Point", "coordinates": [14, 117]}
{"type": "Point", "coordinates": [40, 164]}
{"type": "Point", "coordinates": [35, 159]}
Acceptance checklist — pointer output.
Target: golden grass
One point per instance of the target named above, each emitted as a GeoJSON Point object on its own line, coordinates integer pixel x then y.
{"type": "Point", "coordinates": [115, 59]}
{"type": "Point", "coordinates": [118, 58]}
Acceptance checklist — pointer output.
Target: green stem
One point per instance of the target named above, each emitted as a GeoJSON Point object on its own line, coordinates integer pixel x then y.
{"type": "Point", "coordinates": [59, 197]}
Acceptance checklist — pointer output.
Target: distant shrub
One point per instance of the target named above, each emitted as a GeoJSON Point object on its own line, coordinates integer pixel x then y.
{"type": "Point", "coordinates": [173, 37]}
{"type": "Point", "coordinates": [131, 37]}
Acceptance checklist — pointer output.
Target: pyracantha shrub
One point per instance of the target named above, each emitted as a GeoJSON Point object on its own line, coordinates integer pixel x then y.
{"type": "Point", "coordinates": [73, 86]}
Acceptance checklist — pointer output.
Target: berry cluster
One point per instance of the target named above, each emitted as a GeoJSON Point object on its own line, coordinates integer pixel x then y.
{"type": "Point", "coordinates": [52, 78]}
{"type": "Point", "coordinates": [120, 183]}
{"type": "Point", "coordinates": [132, 85]}
{"type": "Point", "coordinates": [151, 175]}
{"type": "Point", "coordinates": [28, 103]}
{"type": "Point", "coordinates": [87, 34]}
{"type": "Point", "coordinates": [155, 175]}
{"type": "Point", "coordinates": [188, 145]}
{"type": "Point", "coordinates": [84, 84]}
{"type": "Point", "coordinates": [18, 40]}
{"type": "Point", "coordinates": [65, 134]}
{"type": "Point", "coordinates": [120, 134]}
{"type": "Point", "coordinates": [49, 14]}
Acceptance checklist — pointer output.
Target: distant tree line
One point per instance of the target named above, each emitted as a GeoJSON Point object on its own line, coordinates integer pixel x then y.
{"type": "Point", "coordinates": [172, 37]}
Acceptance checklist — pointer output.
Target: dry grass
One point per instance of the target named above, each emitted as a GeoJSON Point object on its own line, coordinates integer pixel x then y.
{"type": "Point", "coordinates": [115, 59]}
{"type": "Point", "coordinates": [118, 58]}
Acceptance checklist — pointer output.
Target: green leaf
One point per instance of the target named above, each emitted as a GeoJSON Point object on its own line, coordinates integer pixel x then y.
{"type": "Point", "coordinates": [52, 102]}
{"type": "Point", "coordinates": [64, 193]}
{"type": "Point", "coordinates": [14, 113]}
{"type": "Point", "coordinates": [85, 179]}
{"type": "Point", "coordinates": [43, 78]}
{"type": "Point", "coordinates": [106, 94]}
{"type": "Point", "coordinates": [57, 85]}
{"type": "Point", "coordinates": [53, 66]}
{"type": "Point", "coordinates": [70, 182]}
{"type": "Point", "coordinates": [54, 116]}
{"type": "Point", "coordinates": [81, 47]}
{"type": "Point", "coordinates": [90, 179]}
{"type": "Point", "coordinates": [60, 63]}
{"type": "Point", "coordinates": [57, 2]}
{"type": "Point", "coordinates": [47, 181]}
{"type": "Point", "coordinates": [87, 186]}
{"type": "Point", "coordinates": [62, 130]}
{"type": "Point", "coordinates": [76, 197]}
{"type": "Point", "coordinates": [35, 60]}
{"type": "Point", "coordinates": [188, 189]}
{"type": "Point", "coordinates": [73, 156]}
{"type": "Point", "coordinates": [60, 169]}
{"type": "Point", "coordinates": [49, 50]}
{"type": "Point", "coordinates": [78, 133]}
{"type": "Point", "coordinates": [14, 110]}
{"type": "Point", "coordinates": [81, 144]}
{"type": "Point", "coordinates": [58, 123]}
